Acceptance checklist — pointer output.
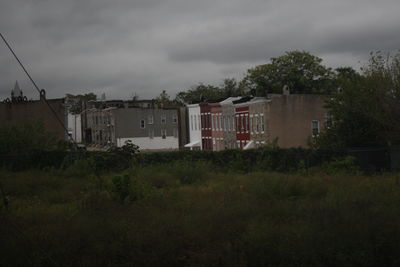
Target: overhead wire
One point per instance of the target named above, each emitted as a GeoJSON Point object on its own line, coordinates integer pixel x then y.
{"type": "Point", "coordinates": [39, 91]}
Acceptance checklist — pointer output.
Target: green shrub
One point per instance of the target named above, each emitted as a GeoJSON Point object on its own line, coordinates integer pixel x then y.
{"type": "Point", "coordinates": [121, 186]}
{"type": "Point", "coordinates": [343, 165]}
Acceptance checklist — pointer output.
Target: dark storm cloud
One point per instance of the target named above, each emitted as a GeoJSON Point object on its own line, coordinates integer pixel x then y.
{"type": "Point", "coordinates": [123, 47]}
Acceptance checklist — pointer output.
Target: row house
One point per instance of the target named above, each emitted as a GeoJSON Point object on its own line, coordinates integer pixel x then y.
{"type": "Point", "coordinates": [250, 122]}
{"type": "Point", "coordinates": [258, 118]}
{"type": "Point", "coordinates": [229, 128]}
{"type": "Point", "coordinates": [242, 122]}
{"type": "Point", "coordinates": [217, 134]}
{"type": "Point", "coordinates": [194, 127]}
{"type": "Point", "coordinates": [151, 128]}
{"type": "Point", "coordinates": [205, 122]}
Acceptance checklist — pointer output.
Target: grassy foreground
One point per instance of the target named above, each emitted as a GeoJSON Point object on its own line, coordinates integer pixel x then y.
{"type": "Point", "coordinates": [183, 215]}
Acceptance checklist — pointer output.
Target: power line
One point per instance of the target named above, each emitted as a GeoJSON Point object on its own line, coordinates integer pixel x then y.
{"type": "Point", "coordinates": [37, 88]}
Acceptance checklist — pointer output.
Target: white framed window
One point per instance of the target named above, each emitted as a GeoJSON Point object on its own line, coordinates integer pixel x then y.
{"type": "Point", "coordinates": [195, 122]}
{"type": "Point", "coordinates": [150, 119]}
{"type": "Point", "coordinates": [174, 119]}
{"type": "Point", "coordinates": [247, 122]}
{"type": "Point", "coordinates": [142, 124]}
{"type": "Point", "coordinates": [163, 119]}
{"type": "Point", "coordinates": [221, 122]}
{"type": "Point", "coordinates": [198, 121]}
{"type": "Point", "coordinates": [151, 133]}
{"type": "Point", "coordinates": [315, 127]}
{"type": "Point", "coordinates": [191, 122]}
{"type": "Point", "coordinates": [241, 123]}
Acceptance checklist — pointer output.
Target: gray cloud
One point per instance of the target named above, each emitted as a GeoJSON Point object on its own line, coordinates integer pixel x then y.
{"type": "Point", "coordinates": [121, 47]}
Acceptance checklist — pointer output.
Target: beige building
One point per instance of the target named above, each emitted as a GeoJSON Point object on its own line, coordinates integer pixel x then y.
{"type": "Point", "coordinates": [293, 120]}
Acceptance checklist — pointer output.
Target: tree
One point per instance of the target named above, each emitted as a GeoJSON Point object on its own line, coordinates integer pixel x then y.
{"type": "Point", "coordinates": [366, 111]}
{"type": "Point", "coordinates": [164, 100]}
{"type": "Point", "coordinates": [26, 137]}
{"type": "Point", "coordinates": [200, 93]}
{"type": "Point", "coordinates": [74, 102]}
{"type": "Point", "coordinates": [299, 70]}
{"type": "Point", "coordinates": [230, 87]}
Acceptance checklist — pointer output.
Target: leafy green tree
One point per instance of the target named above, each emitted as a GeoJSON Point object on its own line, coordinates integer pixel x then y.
{"type": "Point", "coordinates": [231, 87]}
{"type": "Point", "coordinates": [299, 70]}
{"type": "Point", "coordinates": [200, 93]}
{"type": "Point", "coordinates": [366, 111]}
{"type": "Point", "coordinates": [26, 137]}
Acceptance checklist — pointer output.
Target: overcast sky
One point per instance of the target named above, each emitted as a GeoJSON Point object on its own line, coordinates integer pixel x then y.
{"type": "Point", "coordinates": [123, 47]}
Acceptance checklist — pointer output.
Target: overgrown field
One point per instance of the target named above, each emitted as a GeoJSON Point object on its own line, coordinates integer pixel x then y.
{"type": "Point", "coordinates": [191, 214]}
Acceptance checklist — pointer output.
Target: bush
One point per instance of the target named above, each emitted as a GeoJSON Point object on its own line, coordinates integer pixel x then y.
{"type": "Point", "coordinates": [343, 165]}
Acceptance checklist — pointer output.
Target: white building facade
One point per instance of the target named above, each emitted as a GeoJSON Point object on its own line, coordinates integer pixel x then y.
{"type": "Point", "coordinates": [194, 124]}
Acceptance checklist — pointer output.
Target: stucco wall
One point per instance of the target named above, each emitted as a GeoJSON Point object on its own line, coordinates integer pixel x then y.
{"type": "Point", "coordinates": [290, 118]}
{"type": "Point", "coordinates": [127, 122]}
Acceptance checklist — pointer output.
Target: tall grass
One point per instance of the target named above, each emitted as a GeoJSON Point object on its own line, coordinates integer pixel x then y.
{"type": "Point", "coordinates": [190, 214]}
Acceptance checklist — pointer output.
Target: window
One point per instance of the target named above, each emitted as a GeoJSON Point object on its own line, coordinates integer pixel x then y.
{"type": "Point", "coordinates": [164, 133]}
{"type": "Point", "coordinates": [247, 123]}
{"type": "Point", "coordinates": [315, 127]}
{"type": "Point", "coordinates": [142, 124]}
{"type": "Point", "coordinates": [176, 134]}
{"type": "Point", "coordinates": [174, 119]}
{"type": "Point", "coordinates": [199, 121]}
{"type": "Point", "coordinates": [262, 123]}
{"type": "Point", "coordinates": [191, 122]}
{"type": "Point", "coordinates": [237, 123]}
{"type": "Point", "coordinates": [163, 119]}
{"type": "Point", "coordinates": [150, 119]}
{"type": "Point", "coordinates": [151, 134]}
{"type": "Point", "coordinates": [195, 122]}
{"type": "Point", "coordinates": [225, 123]}
{"type": "Point", "coordinates": [212, 121]}
{"type": "Point", "coordinates": [257, 124]}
